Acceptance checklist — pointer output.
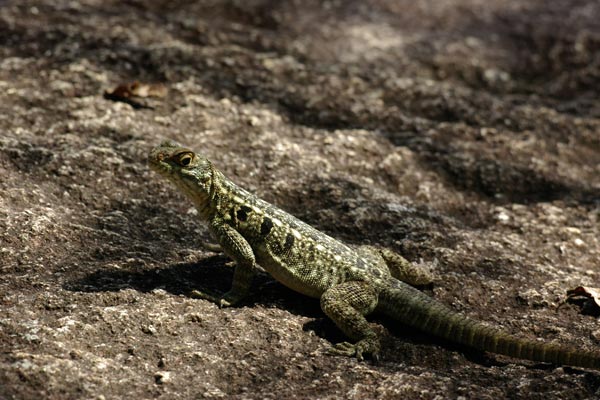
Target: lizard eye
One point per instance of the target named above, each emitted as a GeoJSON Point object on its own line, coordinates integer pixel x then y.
{"type": "Point", "coordinates": [186, 159]}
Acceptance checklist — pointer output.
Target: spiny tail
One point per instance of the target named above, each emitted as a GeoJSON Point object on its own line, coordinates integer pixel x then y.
{"type": "Point", "coordinates": [413, 308]}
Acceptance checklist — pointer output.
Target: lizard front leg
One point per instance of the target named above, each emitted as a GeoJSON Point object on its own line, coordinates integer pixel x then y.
{"type": "Point", "coordinates": [347, 304]}
{"type": "Point", "coordinates": [237, 248]}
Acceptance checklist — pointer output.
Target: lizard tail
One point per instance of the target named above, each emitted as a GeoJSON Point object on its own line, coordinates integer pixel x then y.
{"type": "Point", "coordinates": [414, 308]}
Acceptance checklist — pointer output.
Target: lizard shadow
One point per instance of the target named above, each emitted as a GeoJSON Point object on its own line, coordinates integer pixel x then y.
{"type": "Point", "coordinates": [212, 274]}
{"type": "Point", "coordinates": [178, 279]}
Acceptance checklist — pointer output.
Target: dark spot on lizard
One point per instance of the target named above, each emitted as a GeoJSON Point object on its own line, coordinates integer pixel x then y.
{"type": "Point", "coordinates": [266, 226]}
{"type": "Point", "coordinates": [360, 264]}
{"type": "Point", "coordinates": [289, 242]}
{"type": "Point", "coordinates": [242, 213]}
{"type": "Point", "coordinates": [376, 272]}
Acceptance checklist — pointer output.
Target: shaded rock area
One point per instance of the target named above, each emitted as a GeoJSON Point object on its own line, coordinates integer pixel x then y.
{"type": "Point", "coordinates": [463, 134]}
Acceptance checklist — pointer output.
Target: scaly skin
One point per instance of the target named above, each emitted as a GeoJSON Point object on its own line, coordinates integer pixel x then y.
{"type": "Point", "coordinates": [350, 282]}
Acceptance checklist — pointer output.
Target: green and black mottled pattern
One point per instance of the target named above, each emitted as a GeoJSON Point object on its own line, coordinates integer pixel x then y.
{"type": "Point", "coordinates": [350, 282]}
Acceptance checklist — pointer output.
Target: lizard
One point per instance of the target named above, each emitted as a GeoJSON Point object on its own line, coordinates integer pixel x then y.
{"type": "Point", "coordinates": [350, 281]}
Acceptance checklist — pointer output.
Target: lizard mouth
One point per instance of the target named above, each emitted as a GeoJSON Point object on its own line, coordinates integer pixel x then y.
{"type": "Point", "coordinates": [155, 160]}
{"type": "Point", "coordinates": [157, 156]}
{"type": "Point", "coordinates": [158, 165]}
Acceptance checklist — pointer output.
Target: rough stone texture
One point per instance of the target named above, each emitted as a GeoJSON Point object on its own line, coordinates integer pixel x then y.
{"type": "Point", "coordinates": [464, 134]}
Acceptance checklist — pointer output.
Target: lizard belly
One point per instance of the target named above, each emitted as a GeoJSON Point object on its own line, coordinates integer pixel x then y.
{"type": "Point", "coordinates": [298, 276]}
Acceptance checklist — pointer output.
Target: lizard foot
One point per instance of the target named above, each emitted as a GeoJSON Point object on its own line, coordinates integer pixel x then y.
{"type": "Point", "coordinates": [227, 300]}
{"type": "Point", "coordinates": [221, 301]}
{"type": "Point", "coordinates": [364, 346]}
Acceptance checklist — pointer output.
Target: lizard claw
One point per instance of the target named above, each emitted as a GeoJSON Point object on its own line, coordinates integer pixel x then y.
{"type": "Point", "coordinates": [224, 303]}
{"type": "Point", "coordinates": [364, 346]}
{"type": "Point", "coordinates": [375, 358]}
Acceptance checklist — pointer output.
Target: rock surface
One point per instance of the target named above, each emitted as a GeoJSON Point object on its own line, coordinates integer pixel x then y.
{"type": "Point", "coordinates": [463, 134]}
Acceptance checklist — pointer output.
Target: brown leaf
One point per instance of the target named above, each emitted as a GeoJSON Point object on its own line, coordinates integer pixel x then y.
{"type": "Point", "coordinates": [588, 298]}
{"type": "Point", "coordinates": [126, 93]}
{"type": "Point", "coordinates": [148, 89]}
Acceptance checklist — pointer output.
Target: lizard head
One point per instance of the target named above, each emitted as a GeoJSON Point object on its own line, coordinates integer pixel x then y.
{"type": "Point", "coordinates": [190, 172]}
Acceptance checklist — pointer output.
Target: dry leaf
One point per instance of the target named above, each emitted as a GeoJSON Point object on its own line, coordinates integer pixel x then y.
{"type": "Point", "coordinates": [148, 89]}
{"type": "Point", "coordinates": [126, 93]}
{"type": "Point", "coordinates": [588, 298]}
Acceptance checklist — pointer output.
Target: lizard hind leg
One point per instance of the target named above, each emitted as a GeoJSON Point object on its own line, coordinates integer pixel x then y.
{"type": "Point", "coordinates": [399, 267]}
{"type": "Point", "coordinates": [347, 304]}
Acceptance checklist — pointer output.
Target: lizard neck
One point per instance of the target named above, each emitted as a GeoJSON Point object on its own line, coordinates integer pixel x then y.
{"type": "Point", "coordinates": [220, 193]}
{"type": "Point", "coordinates": [207, 203]}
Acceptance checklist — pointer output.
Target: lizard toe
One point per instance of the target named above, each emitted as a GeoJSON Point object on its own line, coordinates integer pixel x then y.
{"type": "Point", "coordinates": [197, 294]}
{"type": "Point", "coordinates": [223, 303]}
{"type": "Point", "coordinates": [367, 346]}
{"type": "Point", "coordinates": [358, 350]}
{"type": "Point", "coordinates": [342, 349]}
{"type": "Point", "coordinates": [231, 298]}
